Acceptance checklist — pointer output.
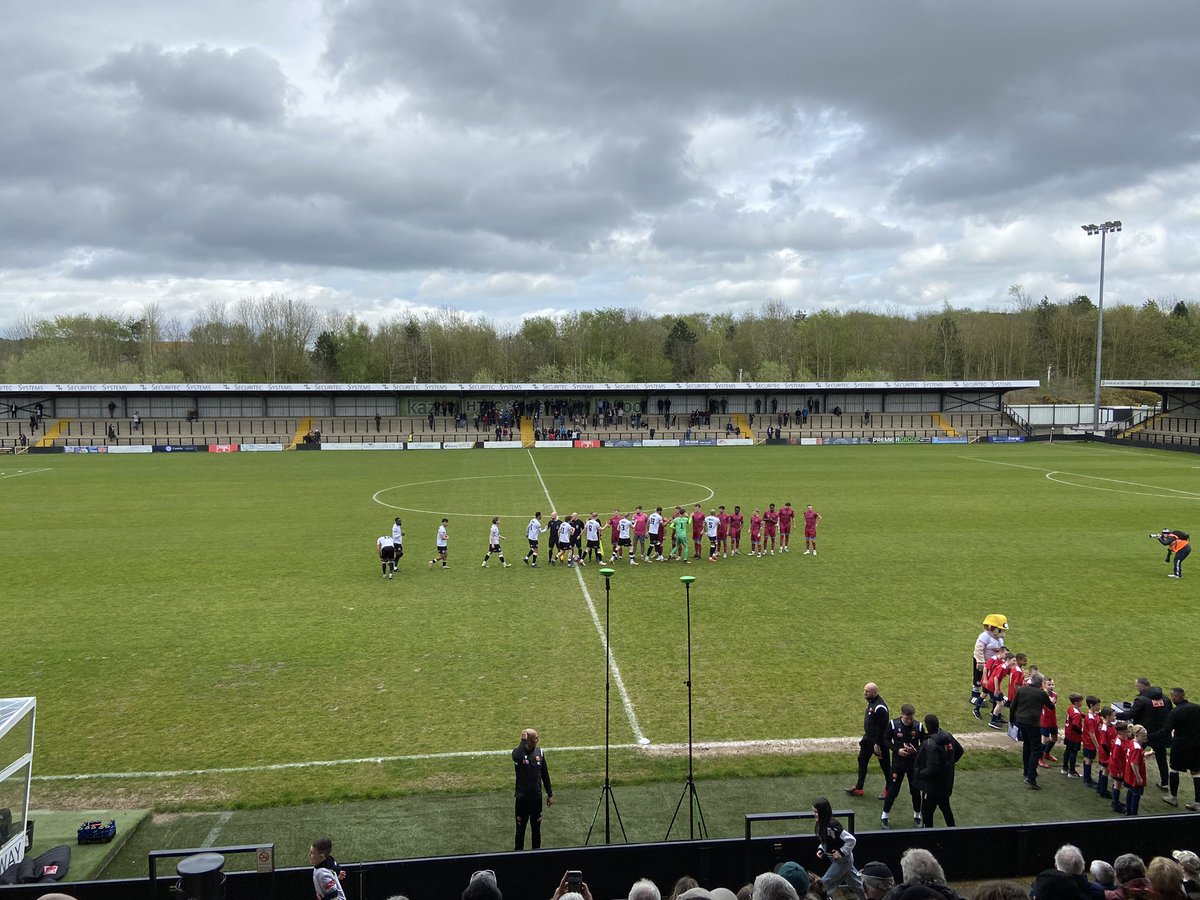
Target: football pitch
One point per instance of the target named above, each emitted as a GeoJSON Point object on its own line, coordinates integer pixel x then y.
{"type": "Point", "coordinates": [214, 630]}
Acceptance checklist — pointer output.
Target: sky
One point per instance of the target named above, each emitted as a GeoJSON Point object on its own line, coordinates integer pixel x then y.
{"type": "Point", "coordinates": [513, 158]}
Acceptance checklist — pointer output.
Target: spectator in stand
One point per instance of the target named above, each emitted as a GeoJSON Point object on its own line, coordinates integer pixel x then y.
{"type": "Point", "coordinates": [1066, 880]}
{"type": "Point", "coordinates": [1131, 878]}
{"type": "Point", "coordinates": [644, 889]}
{"type": "Point", "coordinates": [769, 886]}
{"type": "Point", "coordinates": [482, 886]}
{"type": "Point", "coordinates": [1166, 878]}
{"type": "Point", "coordinates": [682, 885]}
{"type": "Point", "coordinates": [1000, 890]}
{"type": "Point", "coordinates": [797, 876]}
{"type": "Point", "coordinates": [1102, 875]}
{"type": "Point", "coordinates": [877, 880]}
{"type": "Point", "coordinates": [1191, 871]}
{"type": "Point", "coordinates": [327, 877]}
{"type": "Point", "coordinates": [923, 877]}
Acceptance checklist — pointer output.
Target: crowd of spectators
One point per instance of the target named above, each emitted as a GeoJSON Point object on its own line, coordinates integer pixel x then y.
{"type": "Point", "coordinates": [921, 877]}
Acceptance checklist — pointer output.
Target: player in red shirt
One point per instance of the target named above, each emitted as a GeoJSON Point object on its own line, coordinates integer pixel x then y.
{"type": "Point", "coordinates": [1116, 762]}
{"type": "Point", "coordinates": [1049, 726]}
{"type": "Point", "coordinates": [1072, 736]}
{"type": "Point", "coordinates": [697, 529]}
{"type": "Point", "coordinates": [1091, 723]}
{"type": "Point", "coordinates": [756, 524]}
{"type": "Point", "coordinates": [723, 531]}
{"type": "Point", "coordinates": [614, 524]}
{"type": "Point", "coordinates": [735, 532]}
{"type": "Point", "coordinates": [994, 671]}
{"type": "Point", "coordinates": [811, 518]}
{"type": "Point", "coordinates": [1104, 742]}
{"type": "Point", "coordinates": [1135, 769]}
{"type": "Point", "coordinates": [785, 526]}
{"type": "Point", "coordinates": [770, 521]}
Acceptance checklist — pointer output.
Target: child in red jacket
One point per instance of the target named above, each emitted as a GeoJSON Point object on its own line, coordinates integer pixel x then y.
{"type": "Point", "coordinates": [1135, 769]}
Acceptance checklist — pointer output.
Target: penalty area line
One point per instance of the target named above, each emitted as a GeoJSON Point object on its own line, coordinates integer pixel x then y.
{"type": "Point", "coordinates": [612, 662]}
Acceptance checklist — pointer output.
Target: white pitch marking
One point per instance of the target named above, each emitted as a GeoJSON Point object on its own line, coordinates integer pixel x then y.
{"type": "Point", "coordinates": [1049, 473]}
{"type": "Point", "coordinates": [222, 820]}
{"type": "Point", "coordinates": [23, 472]}
{"type": "Point", "coordinates": [616, 672]}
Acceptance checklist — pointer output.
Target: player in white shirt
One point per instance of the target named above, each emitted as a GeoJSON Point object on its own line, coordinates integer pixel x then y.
{"type": "Point", "coordinates": [443, 545]}
{"type": "Point", "coordinates": [533, 531]}
{"type": "Point", "coordinates": [624, 527]}
{"type": "Point", "coordinates": [592, 528]}
{"type": "Point", "coordinates": [564, 541]}
{"type": "Point", "coordinates": [711, 526]}
{"type": "Point", "coordinates": [494, 538]}
{"type": "Point", "coordinates": [398, 541]}
{"type": "Point", "coordinates": [387, 555]}
{"type": "Point", "coordinates": [655, 525]}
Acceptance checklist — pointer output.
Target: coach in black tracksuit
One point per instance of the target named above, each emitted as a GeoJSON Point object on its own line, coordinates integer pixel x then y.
{"type": "Point", "coordinates": [530, 763]}
{"type": "Point", "coordinates": [904, 740]}
{"type": "Point", "coordinates": [874, 741]}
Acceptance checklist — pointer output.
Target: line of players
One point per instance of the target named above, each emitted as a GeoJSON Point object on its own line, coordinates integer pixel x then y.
{"type": "Point", "coordinates": [637, 535]}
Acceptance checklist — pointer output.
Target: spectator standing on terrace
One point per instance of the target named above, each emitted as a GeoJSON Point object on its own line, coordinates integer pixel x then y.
{"type": "Point", "coordinates": [112, 409]}
{"type": "Point", "coordinates": [137, 422]}
{"type": "Point", "coordinates": [327, 878]}
{"type": "Point", "coordinates": [378, 421]}
{"type": "Point", "coordinates": [529, 761]}
{"type": "Point", "coordinates": [874, 741]}
{"type": "Point", "coordinates": [112, 432]}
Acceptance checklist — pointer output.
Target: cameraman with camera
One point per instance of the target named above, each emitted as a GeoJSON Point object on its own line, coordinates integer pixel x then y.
{"type": "Point", "coordinates": [1177, 542]}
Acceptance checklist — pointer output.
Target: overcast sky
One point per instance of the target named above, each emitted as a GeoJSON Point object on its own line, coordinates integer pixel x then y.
{"type": "Point", "coordinates": [515, 157]}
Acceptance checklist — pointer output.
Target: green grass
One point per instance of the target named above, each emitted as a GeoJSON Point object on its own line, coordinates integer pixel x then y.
{"type": "Point", "coordinates": [185, 612]}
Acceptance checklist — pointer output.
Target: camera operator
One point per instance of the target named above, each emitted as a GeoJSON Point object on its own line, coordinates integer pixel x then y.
{"type": "Point", "coordinates": [1177, 542]}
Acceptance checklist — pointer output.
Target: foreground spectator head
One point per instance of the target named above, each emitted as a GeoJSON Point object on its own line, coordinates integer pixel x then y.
{"type": "Point", "coordinates": [796, 875]}
{"type": "Point", "coordinates": [1102, 874]}
{"type": "Point", "coordinates": [1000, 890]}
{"type": "Point", "coordinates": [1069, 859]}
{"type": "Point", "coordinates": [482, 886]}
{"type": "Point", "coordinates": [1166, 877]}
{"type": "Point", "coordinates": [917, 864]}
{"type": "Point", "coordinates": [769, 886]}
{"type": "Point", "coordinates": [877, 880]}
{"type": "Point", "coordinates": [686, 883]}
{"type": "Point", "coordinates": [696, 893]}
{"type": "Point", "coordinates": [722, 893]}
{"type": "Point", "coordinates": [1191, 865]}
{"type": "Point", "coordinates": [1129, 867]}
{"type": "Point", "coordinates": [644, 889]}
{"type": "Point", "coordinates": [746, 891]}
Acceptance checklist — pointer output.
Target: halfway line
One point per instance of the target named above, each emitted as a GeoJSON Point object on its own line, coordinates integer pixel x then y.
{"type": "Point", "coordinates": [612, 662]}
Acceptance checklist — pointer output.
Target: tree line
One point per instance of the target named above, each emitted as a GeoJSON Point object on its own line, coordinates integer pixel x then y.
{"type": "Point", "coordinates": [280, 339]}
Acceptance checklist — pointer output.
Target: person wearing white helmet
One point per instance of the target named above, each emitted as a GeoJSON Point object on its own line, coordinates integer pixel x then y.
{"type": "Point", "coordinates": [988, 644]}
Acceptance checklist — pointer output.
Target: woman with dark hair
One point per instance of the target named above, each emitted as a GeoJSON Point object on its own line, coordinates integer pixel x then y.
{"type": "Point", "coordinates": [836, 844]}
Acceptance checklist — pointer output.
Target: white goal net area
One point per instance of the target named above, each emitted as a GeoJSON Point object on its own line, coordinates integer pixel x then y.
{"type": "Point", "coordinates": [16, 768]}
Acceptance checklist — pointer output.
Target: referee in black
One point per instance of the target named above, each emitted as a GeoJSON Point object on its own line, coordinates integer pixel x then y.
{"type": "Point", "coordinates": [529, 760]}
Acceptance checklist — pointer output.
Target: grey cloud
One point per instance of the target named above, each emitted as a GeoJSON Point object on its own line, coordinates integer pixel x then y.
{"type": "Point", "coordinates": [244, 84]}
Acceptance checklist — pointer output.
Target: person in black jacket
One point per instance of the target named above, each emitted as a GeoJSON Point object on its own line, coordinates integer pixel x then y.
{"type": "Point", "coordinates": [530, 764]}
{"type": "Point", "coordinates": [1026, 713]}
{"type": "Point", "coordinates": [938, 755]}
{"type": "Point", "coordinates": [1182, 729]}
{"type": "Point", "coordinates": [1150, 710]}
{"type": "Point", "coordinates": [874, 741]}
{"type": "Point", "coordinates": [905, 735]}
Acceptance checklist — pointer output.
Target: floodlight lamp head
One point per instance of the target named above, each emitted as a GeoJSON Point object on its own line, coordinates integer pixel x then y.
{"type": "Point", "coordinates": [1114, 225]}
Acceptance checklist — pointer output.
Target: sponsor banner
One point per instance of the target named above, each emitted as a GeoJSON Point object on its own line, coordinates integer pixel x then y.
{"type": "Point", "coordinates": [710, 442]}
{"type": "Point", "coordinates": [619, 443]}
{"type": "Point", "coordinates": [810, 442]}
{"type": "Point", "coordinates": [84, 449]}
{"type": "Point", "coordinates": [55, 449]}
{"type": "Point", "coordinates": [364, 445]}
{"type": "Point", "coordinates": [587, 445]}
{"type": "Point", "coordinates": [458, 445]}
{"type": "Point", "coordinates": [223, 448]}
{"type": "Point", "coordinates": [846, 441]}
{"type": "Point", "coordinates": [178, 448]}
{"type": "Point", "coordinates": [1007, 439]}
{"type": "Point", "coordinates": [661, 442]}
{"type": "Point", "coordinates": [423, 445]}
{"type": "Point", "coordinates": [951, 440]}
{"type": "Point", "coordinates": [912, 439]}
{"type": "Point", "coordinates": [131, 448]}
{"type": "Point", "coordinates": [562, 445]}
{"type": "Point", "coordinates": [734, 442]}
{"type": "Point", "coordinates": [261, 448]}
{"type": "Point", "coordinates": [502, 445]}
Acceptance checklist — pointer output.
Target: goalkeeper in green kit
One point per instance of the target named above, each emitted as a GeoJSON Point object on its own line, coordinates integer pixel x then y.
{"type": "Point", "coordinates": [682, 524]}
